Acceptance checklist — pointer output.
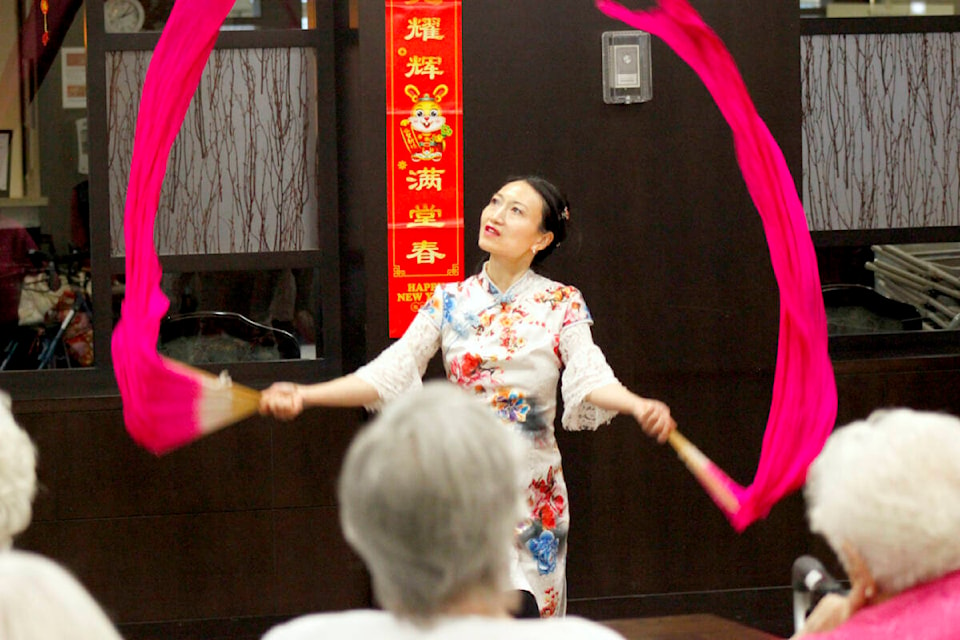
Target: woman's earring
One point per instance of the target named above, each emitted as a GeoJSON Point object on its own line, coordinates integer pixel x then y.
{"type": "Point", "coordinates": [533, 250]}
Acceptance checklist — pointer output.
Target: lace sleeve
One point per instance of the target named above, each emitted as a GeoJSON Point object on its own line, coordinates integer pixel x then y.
{"type": "Point", "coordinates": [401, 366]}
{"type": "Point", "coordinates": [585, 369]}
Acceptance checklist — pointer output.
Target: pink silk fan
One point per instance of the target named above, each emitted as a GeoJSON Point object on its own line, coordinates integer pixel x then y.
{"type": "Point", "coordinates": [804, 405]}
{"type": "Point", "coordinates": [166, 404]}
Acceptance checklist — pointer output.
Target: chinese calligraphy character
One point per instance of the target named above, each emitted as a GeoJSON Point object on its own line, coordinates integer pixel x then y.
{"type": "Point", "coordinates": [424, 66]}
{"type": "Point", "coordinates": [426, 179]}
{"type": "Point", "coordinates": [425, 252]}
{"type": "Point", "coordinates": [423, 29]}
{"type": "Point", "coordinates": [424, 215]}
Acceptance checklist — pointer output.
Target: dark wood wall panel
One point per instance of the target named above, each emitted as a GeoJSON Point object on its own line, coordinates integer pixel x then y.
{"type": "Point", "coordinates": [102, 473]}
{"type": "Point", "coordinates": [307, 456]}
{"type": "Point", "coordinates": [316, 569]}
{"type": "Point", "coordinates": [930, 390]}
{"type": "Point", "coordinates": [242, 523]}
{"type": "Point", "coordinates": [859, 394]}
{"type": "Point", "coordinates": [642, 525]}
{"type": "Point", "coordinates": [174, 567]}
{"type": "Point", "coordinates": [919, 384]}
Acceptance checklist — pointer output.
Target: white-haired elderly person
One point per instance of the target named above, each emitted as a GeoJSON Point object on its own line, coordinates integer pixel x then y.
{"type": "Point", "coordinates": [430, 494]}
{"type": "Point", "coordinates": [40, 600]}
{"type": "Point", "coordinates": [885, 494]}
{"type": "Point", "coordinates": [18, 476]}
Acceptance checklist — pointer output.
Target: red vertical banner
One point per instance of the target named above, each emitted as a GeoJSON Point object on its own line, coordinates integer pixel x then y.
{"type": "Point", "coordinates": [424, 152]}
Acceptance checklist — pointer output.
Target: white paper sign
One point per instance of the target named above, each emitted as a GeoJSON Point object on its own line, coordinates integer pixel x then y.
{"type": "Point", "coordinates": [5, 140]}
{"type": "Point", "coordinates": [83, 157]}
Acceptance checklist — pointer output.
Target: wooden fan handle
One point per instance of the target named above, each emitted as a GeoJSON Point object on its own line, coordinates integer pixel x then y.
{"type": "Point", "coordinates": [704, 471]}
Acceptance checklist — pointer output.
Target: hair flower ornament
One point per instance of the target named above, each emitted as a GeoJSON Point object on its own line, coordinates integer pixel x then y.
{"type": "Point", "coordinates": [565, 214]}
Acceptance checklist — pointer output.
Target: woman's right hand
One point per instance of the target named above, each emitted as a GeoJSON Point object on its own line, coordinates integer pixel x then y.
{"type": "Point", "coordinates": [282, 400]}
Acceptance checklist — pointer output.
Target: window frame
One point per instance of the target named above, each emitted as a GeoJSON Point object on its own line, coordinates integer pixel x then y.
{"type": "Point", "coordinates": [99, 380]}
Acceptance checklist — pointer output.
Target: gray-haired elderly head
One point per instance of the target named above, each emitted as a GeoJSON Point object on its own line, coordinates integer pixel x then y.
{"type": "Point", "coordinates": [40, 600]}
{"type": "Point", "coordinates": [430, 498]}
{"type": "Point", "coordinates": [889, 487]}
{"type": "Point", "coordinates": [18, 478]}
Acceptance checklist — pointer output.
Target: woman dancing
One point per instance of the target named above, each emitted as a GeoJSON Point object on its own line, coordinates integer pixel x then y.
{"type": "Point", "coordinates": [509, 335]}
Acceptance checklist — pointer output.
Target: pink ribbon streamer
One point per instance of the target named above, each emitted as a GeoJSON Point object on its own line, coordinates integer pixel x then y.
{"type": "Point", "coordinates": [160, 397]}
{"type": "Point", "coordinates": [804, 405]}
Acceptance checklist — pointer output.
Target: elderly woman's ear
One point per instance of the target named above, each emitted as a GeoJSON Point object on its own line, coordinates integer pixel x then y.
{"type": "Point", "coordinates": [863, 586]}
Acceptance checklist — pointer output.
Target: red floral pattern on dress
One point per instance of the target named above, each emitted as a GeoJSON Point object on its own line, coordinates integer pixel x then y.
{"type": "Point", "coordinates": [576, 312]}
{"type": "Point", "coordinates": [546, 503]}
{"type": "Point", "coordinates": [554, 296]}
{"type": "Point", "coordinates": [503, 322]}
{"type": "Point", "coordinates": [550, 605]}
{"type": "Point", "coordinates": [469, 372]}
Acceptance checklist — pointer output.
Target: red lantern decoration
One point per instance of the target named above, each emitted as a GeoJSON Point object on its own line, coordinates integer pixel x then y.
{"type": "Point", "coordinates": [44, 9]}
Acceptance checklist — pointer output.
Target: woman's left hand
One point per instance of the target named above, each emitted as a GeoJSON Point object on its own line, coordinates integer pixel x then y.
{"type": "Point", "coordinates": [653, 415]}
{"type": "Point", "coordinates": [831, 612]}
{"type": "Point", "coordinates": [655, 419]}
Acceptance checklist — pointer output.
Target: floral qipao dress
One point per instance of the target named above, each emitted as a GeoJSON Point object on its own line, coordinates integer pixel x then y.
{"type": "Point", "coordinates": [510, 348]}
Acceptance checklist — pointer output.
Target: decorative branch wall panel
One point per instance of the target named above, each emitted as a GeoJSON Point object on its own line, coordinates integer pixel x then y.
{"type": "Point", "coordinates": [242, 175]}
{"type": "Point", "coordinates": [881, 130]}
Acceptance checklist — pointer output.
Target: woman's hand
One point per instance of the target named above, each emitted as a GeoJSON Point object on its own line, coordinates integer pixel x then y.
{"type": "Point", "coordinates": [287, 400]}
{"type": "Point", "coordinates": [832, 611]}
{"type": "Point", "coordinates": [282, 400]}
{"type": "Point", "coordinates": [654, 417]}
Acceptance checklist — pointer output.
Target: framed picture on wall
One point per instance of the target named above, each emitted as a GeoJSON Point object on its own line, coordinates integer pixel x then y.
{"type": "Point", "coordinates": [6, 149]}
{"type": "Point", "coordinates": [245, 9]}
{"type": "Point", "coordinates": [73, 63]}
